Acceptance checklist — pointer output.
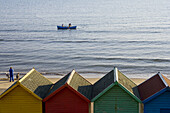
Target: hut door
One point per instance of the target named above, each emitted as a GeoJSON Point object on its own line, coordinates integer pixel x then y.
{"type": "Point", "coordinates": [165, 110]}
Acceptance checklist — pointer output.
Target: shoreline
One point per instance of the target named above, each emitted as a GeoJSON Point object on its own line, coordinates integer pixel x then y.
{"type": "Point", "coordinates": [5, 84]}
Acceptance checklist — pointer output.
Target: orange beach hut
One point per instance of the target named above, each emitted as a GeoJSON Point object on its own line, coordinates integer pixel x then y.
{"type": "Point", "coordinates": [25, 95]}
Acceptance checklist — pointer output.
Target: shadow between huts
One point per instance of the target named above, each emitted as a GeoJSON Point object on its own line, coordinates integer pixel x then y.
{"type": "Point", "coordinates": [43, 90]}
{"type": "Point", "coordinates": [86, 91]}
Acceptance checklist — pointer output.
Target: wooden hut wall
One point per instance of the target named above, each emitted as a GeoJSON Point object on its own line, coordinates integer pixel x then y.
{"type": "Point", "coordinates": [159, 104]}
{"type": "Point", "coordinates": [19, 100]}
{"type": "Point", "coordinates": [116, 100]}
{"type": "Point", "coordinates": [66, 101]}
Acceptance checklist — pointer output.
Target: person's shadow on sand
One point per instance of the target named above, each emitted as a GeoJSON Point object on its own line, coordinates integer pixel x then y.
{"type": "Point", "coordinates": [5, 81]}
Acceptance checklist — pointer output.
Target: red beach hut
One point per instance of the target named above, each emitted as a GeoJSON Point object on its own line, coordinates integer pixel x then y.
{"type": "Point", "coordinates": [71, 94]}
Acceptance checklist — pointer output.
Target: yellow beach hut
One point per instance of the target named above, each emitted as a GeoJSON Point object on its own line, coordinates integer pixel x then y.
{"type": "Point", "coordinates": [25, 95]}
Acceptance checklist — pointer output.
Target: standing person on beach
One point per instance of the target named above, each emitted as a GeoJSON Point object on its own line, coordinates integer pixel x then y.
{"type": "Point", "coordinates": [11, 72]}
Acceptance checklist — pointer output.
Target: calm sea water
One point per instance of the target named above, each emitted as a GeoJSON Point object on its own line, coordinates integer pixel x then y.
{"type": "Point", "coordinates": [133, 35]}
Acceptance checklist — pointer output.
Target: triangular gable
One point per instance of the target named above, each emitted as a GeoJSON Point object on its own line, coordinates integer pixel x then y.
{"type": "Point", "coordinates": [155, 95]}
{"type": "Point", "coordinates": [70, 88]}
{"type": "Point", "coordinates": [111, 86]}
{"type": "Point", "coordinates": [13, 86]}
{"type": "Point", "coordinates": [150, 87]}
{"type": "Point", "coordinates": [113, 76]}
{"type": "Point", "coordinates": [9, 89]}
{"type": "Point", "coordinates": [167, 84]}
{"type": "Point", "coordinates": [36, 83]}
{"type": "Point", "coordinates": [102, 92]}
{"type": "Point", "coordinates": [74, 80]}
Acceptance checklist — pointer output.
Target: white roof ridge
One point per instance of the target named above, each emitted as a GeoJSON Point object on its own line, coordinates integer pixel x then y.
{"type": "Point", "coordinates": [115, 74]}
{"type": "Point", "coordinates": [71, 76]}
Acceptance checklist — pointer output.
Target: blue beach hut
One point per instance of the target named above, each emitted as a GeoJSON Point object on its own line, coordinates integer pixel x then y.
{"type": "Point", "coordinates": [155, 94]}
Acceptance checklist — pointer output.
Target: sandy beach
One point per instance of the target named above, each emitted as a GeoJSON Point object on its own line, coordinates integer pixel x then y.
{"type": "Point", "coordinates": [4, 83]}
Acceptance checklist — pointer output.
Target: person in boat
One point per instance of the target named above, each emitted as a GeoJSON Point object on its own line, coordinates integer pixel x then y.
{"type": "Point", "coordinates": [62, 25]}
{"type": "Point", "coordinates": [69, 24]}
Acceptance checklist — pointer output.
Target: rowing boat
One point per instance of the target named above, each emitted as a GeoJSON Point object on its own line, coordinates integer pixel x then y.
{"type": "Point", "coordinates": [66, 27]}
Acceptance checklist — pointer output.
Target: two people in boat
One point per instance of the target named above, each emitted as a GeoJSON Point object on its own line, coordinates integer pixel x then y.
{"type": "Point", "coordinates": [68, 25]}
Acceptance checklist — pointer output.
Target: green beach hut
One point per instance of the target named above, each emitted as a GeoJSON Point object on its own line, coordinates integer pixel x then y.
{"type": "Point", "coordinates": [113, 94]}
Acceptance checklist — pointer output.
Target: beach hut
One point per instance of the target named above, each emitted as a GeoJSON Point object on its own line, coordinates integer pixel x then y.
{"type": "Point", "coordinates": [113, 94]}
{"type": "Point", "coordinates": [155, 94]}
{"type": "Point", "coordinates": [71, 94]}
{"type": "Point", "coordinates": [25, 95]}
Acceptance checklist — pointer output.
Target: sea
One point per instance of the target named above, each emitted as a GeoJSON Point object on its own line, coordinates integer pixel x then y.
{"type": "Point", "coordinates": [132, 35]}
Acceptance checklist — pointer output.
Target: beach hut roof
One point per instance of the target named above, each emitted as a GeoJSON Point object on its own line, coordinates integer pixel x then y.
{"type": "Point", "coordinates": [125, 81]}
{"type": "Point", "coordinates": [58, 84]}
{"type": "Point", "coordinates": [151, 86]}
{"type": "Point", "coordinates": [121, 86]}
{"type": "Point", "coordinates": [74, 80]}
{"type": "Point", "coordinates": [70, 88]}
{"type": "Point", "coordinates": [103, 83]}
{"type": "Point", "coordinates": [14, 85]}
{"type": "Point", "coordinates": [113, 76]}
{"type": "Point", "coordinates": [36, 82]}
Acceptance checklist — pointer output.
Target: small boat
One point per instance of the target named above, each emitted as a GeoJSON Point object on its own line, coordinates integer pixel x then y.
{"type": "Point", "coordinates": [66, 27]}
